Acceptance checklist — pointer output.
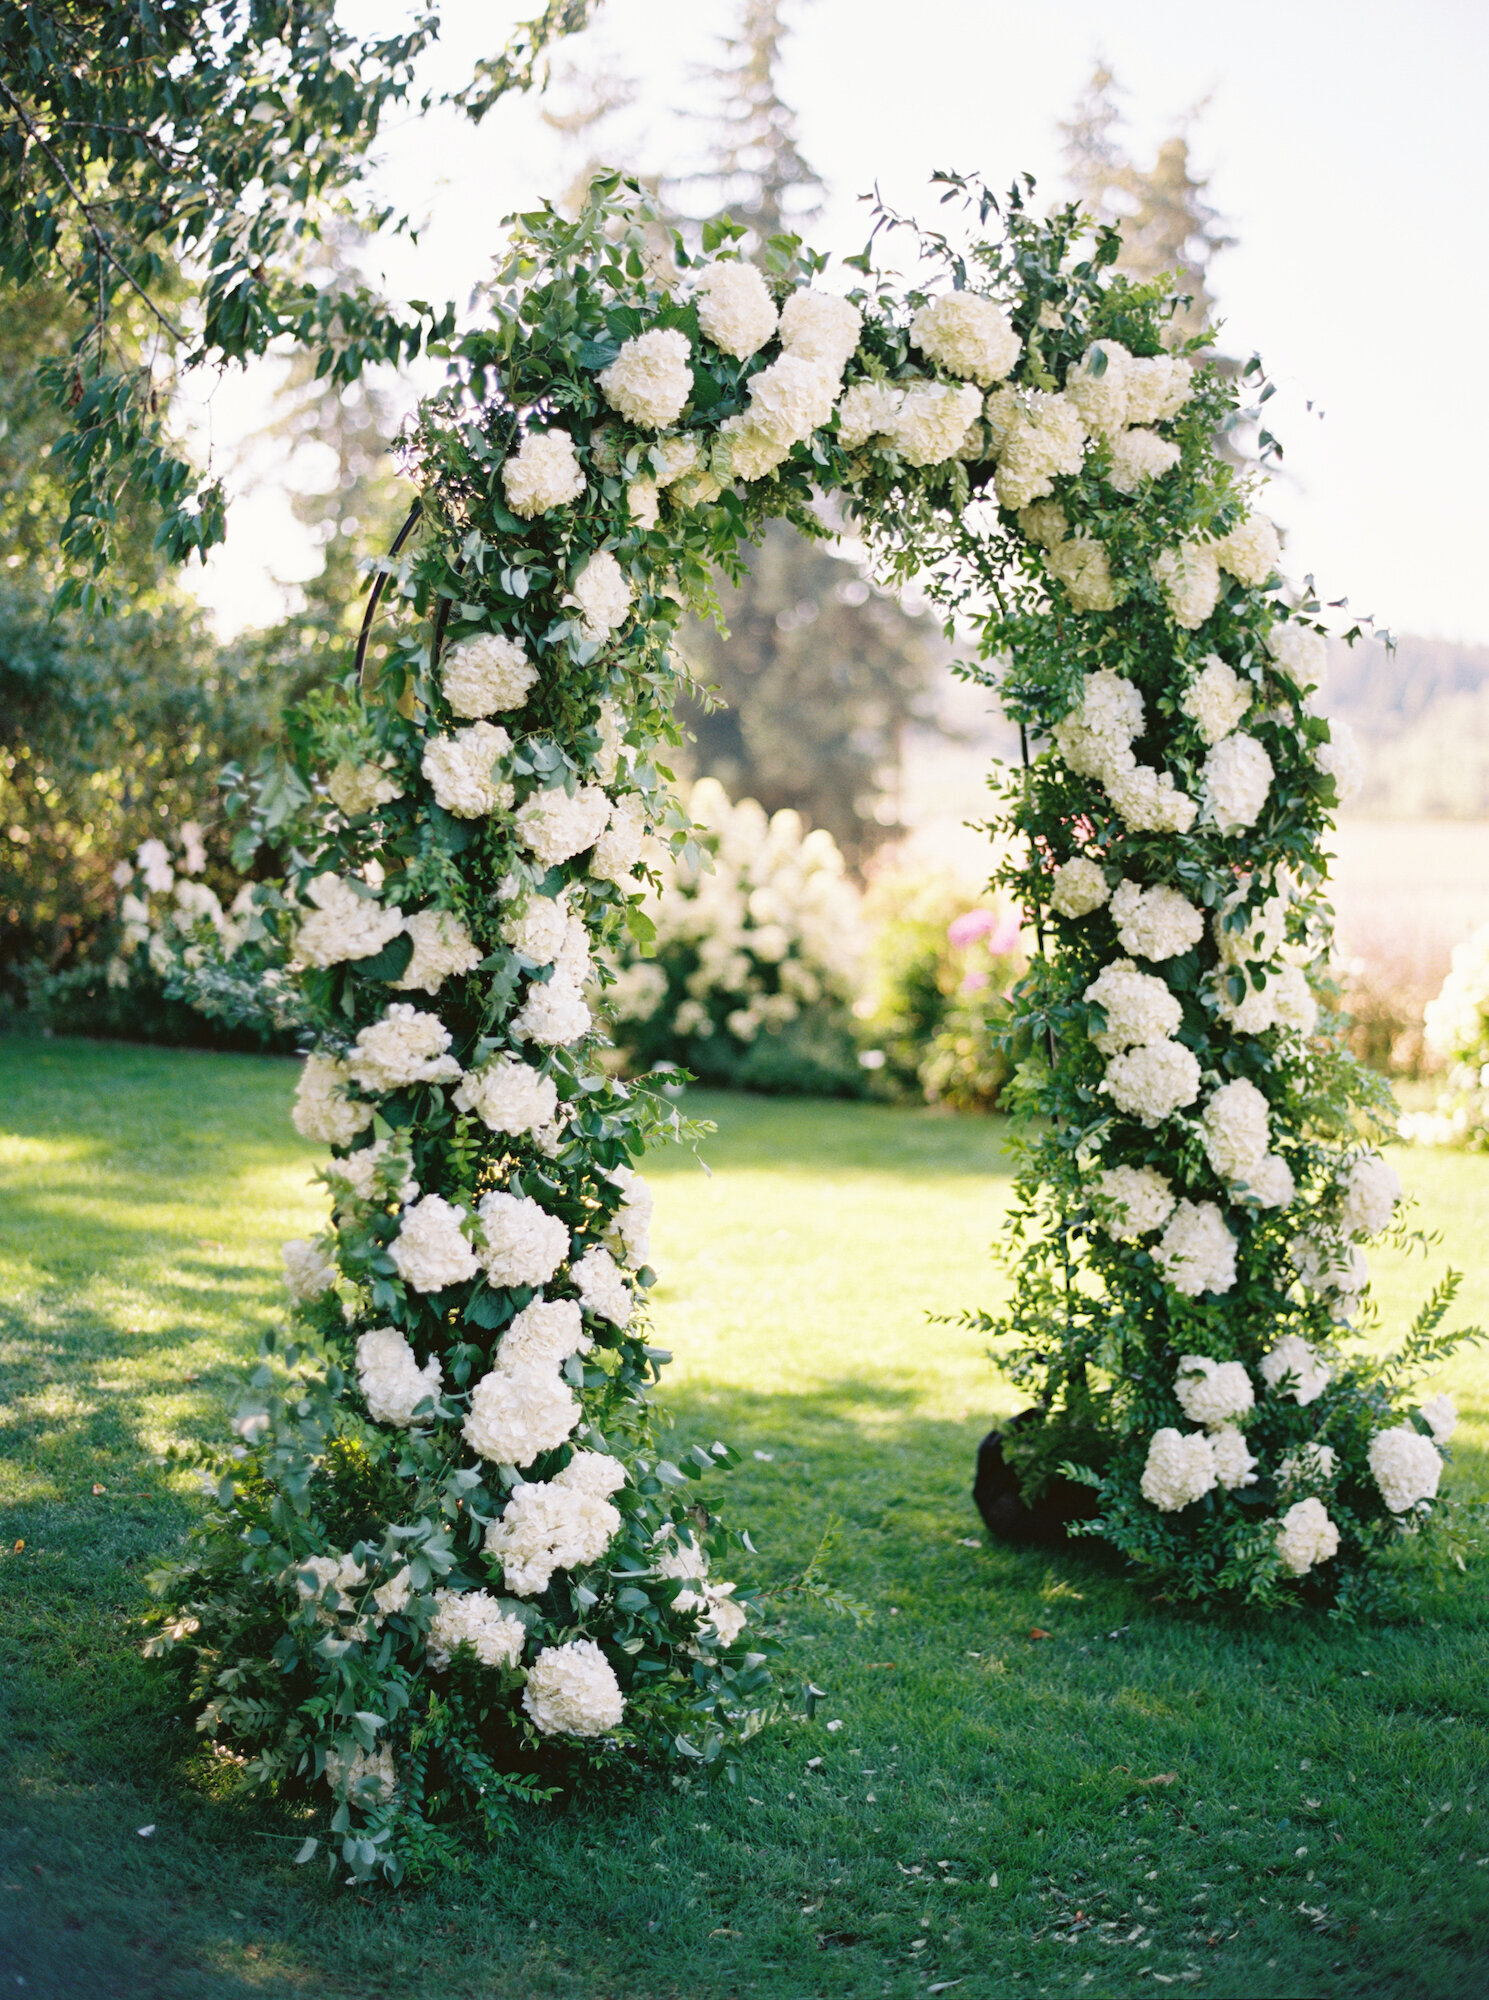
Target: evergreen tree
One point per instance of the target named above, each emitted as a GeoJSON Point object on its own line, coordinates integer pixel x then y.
{"type": "Point", "coordinates": [1167, 223]}
{"type": "Point", "coordinates": [755, 168]}
{"type": "Point", "coordinates": [818, 677]}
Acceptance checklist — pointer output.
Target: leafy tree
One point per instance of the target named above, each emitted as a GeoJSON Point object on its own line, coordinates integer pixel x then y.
{"type": "Point", "coordinates": [163, 164]}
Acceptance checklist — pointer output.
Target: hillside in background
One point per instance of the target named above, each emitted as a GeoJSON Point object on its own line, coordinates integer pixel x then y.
{"type": "Point", "coordinates": [1422, 717]}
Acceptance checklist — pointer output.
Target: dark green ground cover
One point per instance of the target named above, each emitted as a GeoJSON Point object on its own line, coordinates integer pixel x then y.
{"type": "Point", "coordinates": [1229, 1806]}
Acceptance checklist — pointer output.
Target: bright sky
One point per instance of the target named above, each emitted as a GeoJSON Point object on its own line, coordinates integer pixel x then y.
{"type": "Point", "coordinates": [1348, 148]}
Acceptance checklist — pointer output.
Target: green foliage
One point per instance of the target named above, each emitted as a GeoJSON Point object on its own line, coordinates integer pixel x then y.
{"type": "Point", "coordinates": [163, 166]}
{"type": "Point", "coordinates": [936, 1005]}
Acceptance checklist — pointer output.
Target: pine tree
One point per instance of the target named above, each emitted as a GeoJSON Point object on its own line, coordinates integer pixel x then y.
{"type": "Point", "coordinates": [755, 167]}
{"type": "Point", "coordinates": [1167, 223]}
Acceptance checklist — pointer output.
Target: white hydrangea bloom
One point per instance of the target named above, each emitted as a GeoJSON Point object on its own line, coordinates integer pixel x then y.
{"type": "Point", "coordinates": [866, 410]}
{"type": "Point", "coordinates": [308, 1270]}
{"type": "Point", "coordinates": [1235, 1127]}
{"type": "Point", "coordinates": [1340, 759]}
{"type": "Point", "coordinates": [542, 473]}
{"type": "Point", "coordinates": [574, 960]}
{"type": "Point", "coordinates": [390, 1378]}
{"type": "Point", "coordinates": [1096, 733]}
{"type": "Point", "coordinates": [1097, 385]}
{"type": "Point", "coordinates": [516, 1413]}
{"type": "Point", "coordinates": [1151, 1083]}
{"type": "Point", "coordinates": [1189, 577]}
{"type": "Point", "coordinates": [1252, 552]}
{"type": "Point", "coordinates": [487, 674]}
{"type": "Point", "coordinates": [474, 1618]}
{"type": "Point", "coordinates": [348, 922]}
{"type": "Point", "coordinates": [555, 825]}
{"type": "Point", "coordinates": [790, 399]}
{"type": "Point", "coordinates": [540, 929]}
{"type": "Point", "coordinates": [1270, 1182]}
{"type": "Point", "coordinates": [1138, 1007]}
{"type": "Point", "coordinates": [1235, 1464]}
{"type": "Point", "coordinates": [1309, 1464]}
{"type": "Point", "coordinates": [549, 1527]}
{"type": "Point", "coordinates": [572, 1691]}
{"type": "Point", "coordinates": [508, 1095]}
{"type": "Point", "coordinates": [1081, 563]}
{"type": "Point", "coordinates": [356, 788]}
{"type": "Point", "coordinates": [355, 1178]}
{"type": "Point", "coordinates": [554, 1013]}
{"type": "Point", "coordinates": [367, 1773]}
{"type": "Point", "coordinates": [154, 863]}
{"type": "Point", "coordinates": [1158, 387]}
{"type": "Point", "coordinates": [643, 503]}
{"type": "Point", "coordinates": [323, 1112]}
{"type": "Point", "coordinates": [1338, 1271]}
{"type": "Point", "coordinates": [1406, 1467]}
{"type": "Point", "coordinates": [602, 1289]}
{"type": "Point", "coordinates": [601, 594]}
{"type": "Point", "coordinates": [461, 770]}
{"type": "Point", "coordinates": [1213, 1393]}
{"type": "Point", "coordinates": [735, 309]}
{"type": "Point", "coordinates": [1238, 777]}
{"type": "Point", "coordinates": [1300, 651]}
{"type": "Point", "coordinates": [1149, 801]}
{"type": "Point", "coordinates": [593, 1472]}
{"type": "Point", "coordinates": [1293, 1356]}
{"type": "Point", "coordinates": [544, 1334]}
{"type": "Point", "coordinates": [1138, 456]}
{"type": "Point", "coordinates": [650, 380]}
{"type": "Point", "coordinates": [430, 1250]}
{"type": "Point", "coordinates": [1044, 522]}
{"type": "Point", "coordinates": [1371, 1189]}
{"type": "Point", "coordinates": [1143, 1197]}
{"type": "Point", "coordinates": [1305, 1536]}
{"type": "Point", "coordinates": [316, 1575]}
{"type": "Point", "coordinates": [524, 1244]}
{"type": "Point", "coordinates": [968, 335]}
{"type": "Point", "coordinates": [1196, 1252]}
{"type": "Point", "coordinates": [1262, 932]}
{"type": "Point", "coordinates": [1042, 436]}
{"type": "Point", "coordinates": [443, 947]}
{"type": "Point", "coordinates": [406, 1046]}
{"type": "Point", "coordinates": [631, 1223]}
{"type": "Point", "coordinates": [748, 451]}
{"type": "Point", "coordinates": [1155, 923]}
{"type": "Point", "coordinates": [1441, 1414]}
{"type": "Point", "coordinates": [1079, 887]}
{"type": "Point", "coordinates": [822, 328]}
{"type": "Point", "coordinates": [1179, 1471]}
{"type": "Point", "coordinates": [1217, 698]}
{"type": "Point", "coordinates": [932, 421]}
{"type": "Point", "coordinates": [618, 848]}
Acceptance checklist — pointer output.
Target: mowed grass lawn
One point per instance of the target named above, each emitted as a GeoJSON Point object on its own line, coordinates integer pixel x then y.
{"type": "Point", "coordinates": [1044, 1783]}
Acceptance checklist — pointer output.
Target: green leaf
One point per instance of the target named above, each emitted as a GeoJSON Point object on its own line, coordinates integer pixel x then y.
{"type": "Point", "coordinates": [391, 962]}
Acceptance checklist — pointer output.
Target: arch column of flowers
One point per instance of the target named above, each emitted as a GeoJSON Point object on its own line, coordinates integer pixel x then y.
{"type": "Point", "coordinates": [447, 1563]}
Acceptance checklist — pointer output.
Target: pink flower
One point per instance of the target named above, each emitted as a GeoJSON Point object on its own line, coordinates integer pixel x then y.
{"type": "Point", "coordinates": [967, 929]}
{"type": "Point", "coordinates": [1005, 939]}
{"type": "Point", "coordinates": [974, 982]}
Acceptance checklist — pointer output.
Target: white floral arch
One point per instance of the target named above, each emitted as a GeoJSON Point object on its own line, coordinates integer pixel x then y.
{"type": "Point", "coordinates": [447, 1556]}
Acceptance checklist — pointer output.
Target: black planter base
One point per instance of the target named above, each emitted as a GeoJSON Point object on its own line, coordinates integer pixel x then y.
{"type": "Point", "coordinates": [1008, 1516]}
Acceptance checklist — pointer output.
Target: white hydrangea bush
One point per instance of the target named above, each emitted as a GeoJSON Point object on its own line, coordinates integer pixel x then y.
{"type": "Point", "coordinates": [1456, 1022]}
{"type": "Point", "coordinates": [404, 1596]}
{"type": "Point", "coordinates": [756, 957]}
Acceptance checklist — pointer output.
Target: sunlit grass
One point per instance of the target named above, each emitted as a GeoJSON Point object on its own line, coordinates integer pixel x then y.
{"type": "Point", "coordinates": [1234, 1806]}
